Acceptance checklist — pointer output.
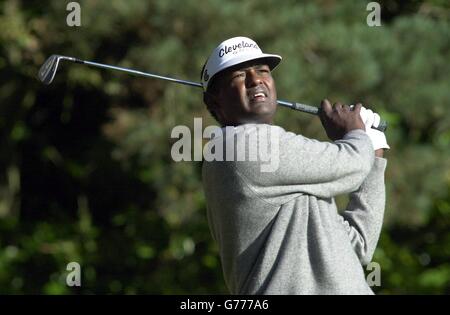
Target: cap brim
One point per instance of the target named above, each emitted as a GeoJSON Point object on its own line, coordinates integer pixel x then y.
{"type": "Point", "coordinates": [271, 60]}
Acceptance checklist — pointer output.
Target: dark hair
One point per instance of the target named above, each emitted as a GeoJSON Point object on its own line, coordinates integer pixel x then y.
{"type": "Point", "coordinates": [212, 89]}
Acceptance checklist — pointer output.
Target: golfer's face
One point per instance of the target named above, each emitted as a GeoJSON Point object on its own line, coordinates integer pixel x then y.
{"type": "Point", "coordinates": [247, 94]}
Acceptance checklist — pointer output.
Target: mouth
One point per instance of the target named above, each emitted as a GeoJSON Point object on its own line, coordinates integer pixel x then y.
{"type": "Point", "coordinates": [257, 96]}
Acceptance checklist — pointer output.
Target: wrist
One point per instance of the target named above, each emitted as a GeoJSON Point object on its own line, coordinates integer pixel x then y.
{"type": "Point", "coordinates": [379, 153]}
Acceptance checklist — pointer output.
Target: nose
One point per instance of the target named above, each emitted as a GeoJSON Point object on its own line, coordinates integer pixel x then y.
{"type": "Point", "coordinates": [252, 78]}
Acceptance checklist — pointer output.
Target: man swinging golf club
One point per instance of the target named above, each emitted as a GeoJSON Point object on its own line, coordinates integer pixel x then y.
{"type": "Point", "coordinates": [279, 232]}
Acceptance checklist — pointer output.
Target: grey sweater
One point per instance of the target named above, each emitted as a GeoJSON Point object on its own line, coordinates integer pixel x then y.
{"type": "Point", "coordinates": [279, 231]}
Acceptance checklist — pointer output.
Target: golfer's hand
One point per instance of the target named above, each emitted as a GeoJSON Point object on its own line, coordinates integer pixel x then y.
{"type": "Point", "coordinates": [377, 137]}
{"type": "Point", "coordinates": [339, 119]}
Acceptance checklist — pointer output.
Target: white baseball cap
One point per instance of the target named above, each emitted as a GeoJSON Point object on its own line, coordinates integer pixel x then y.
{"type": "Point", "coordinates": [231, 52]}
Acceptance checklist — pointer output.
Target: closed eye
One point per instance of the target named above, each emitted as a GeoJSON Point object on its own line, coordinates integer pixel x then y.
{"type": "Point", "coordinates": [263, 69]}
{"type": "Point", "coordinates": [241, 75]}
{"type": "Point", "coordinates": [238, 75]}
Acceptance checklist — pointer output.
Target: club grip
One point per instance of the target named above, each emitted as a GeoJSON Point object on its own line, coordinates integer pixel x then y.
{"type": "Point", "coordinates": [382, 126]}
{"type": "Point", "coordinates": [314, 110]}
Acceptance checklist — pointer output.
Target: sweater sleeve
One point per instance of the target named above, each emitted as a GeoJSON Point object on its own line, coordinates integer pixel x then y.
{"type": "Point", "coordinates": [363, 217]}
{"type": "Point", "coordinates": [305, 166]}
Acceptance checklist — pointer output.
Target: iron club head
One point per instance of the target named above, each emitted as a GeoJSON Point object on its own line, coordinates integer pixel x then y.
{"type": "Point", "coordinates": [48, 69]}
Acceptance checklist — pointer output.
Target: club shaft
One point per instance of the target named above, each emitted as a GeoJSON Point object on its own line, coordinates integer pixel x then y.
{"type": "Point", "coordinates": [293, 105]}
{"type": "Point", "coordinates": [145, 74]}
{"type": "Point", "coordinates": [298, 106]}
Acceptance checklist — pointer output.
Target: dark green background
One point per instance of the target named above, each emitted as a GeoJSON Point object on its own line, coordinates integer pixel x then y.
{"type": "Point", "coordinates": [86, 173]}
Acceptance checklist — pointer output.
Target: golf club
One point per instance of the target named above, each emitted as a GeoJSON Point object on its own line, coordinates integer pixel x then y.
{"type": "Point", "coordinates": [48, 70]}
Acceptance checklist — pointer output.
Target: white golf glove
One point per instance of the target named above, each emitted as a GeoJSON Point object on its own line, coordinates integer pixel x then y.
{"type": "Point", "coordinates": [373, 119]}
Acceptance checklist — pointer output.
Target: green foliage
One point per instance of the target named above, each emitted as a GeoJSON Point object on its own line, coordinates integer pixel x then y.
{"type": "Point", "coordinates": [86, 173]}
